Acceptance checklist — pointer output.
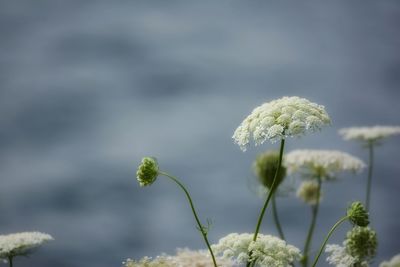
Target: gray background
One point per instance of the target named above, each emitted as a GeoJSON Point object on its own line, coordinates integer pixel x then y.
{"type": "Point", "coordinates": [89, 87]}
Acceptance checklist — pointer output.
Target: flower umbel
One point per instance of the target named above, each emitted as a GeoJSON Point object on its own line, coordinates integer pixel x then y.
{"type": "Point", "coordinates": [308, 192]}
{"type": "Point", "coordinates": [357, 214]}
{"type": "Point", "coordinates": [361, 243]}
{"type": "Point", "coordinates": [21, 244]}
{"type": "Point", "coordinates": [183, 257]}
{"type": "Point", "coordinates": [339, 256]}
{"type": "Point", "coordinates": [265, 167]}
{"type": "Point", "coordinates": [287, 116]}
{"type": "Point", "coordinates": [369, 134]}
{"type": "Point", "coordinates": [267, 250]}
{"type": "Point", "coordinates": [323, 163]}
{"type": "Point", "coordinates": [147, 171]}
{"type": "Point", "coordinates": [198, 258]}
{"type": "Point", "coordinates": [394, 262]}
{"type": "Point", "coordinates": [160, 261]}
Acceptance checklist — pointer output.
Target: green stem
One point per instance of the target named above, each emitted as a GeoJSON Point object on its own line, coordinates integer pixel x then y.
{"type": "Point", "coordinates": [202, 229]}
{"type": "Point", "coordinates": [370, 169]}
{"type": "Point", "coordinates": [314, 210]}
{"type": "Point", "coordinates": [276, 218]}
{"type": "Point", "coordinates": [327, 237]}
{"type": "Point", "coordinates": [270, 194]}
{"type": "Point", "coordinates": [10, 260]}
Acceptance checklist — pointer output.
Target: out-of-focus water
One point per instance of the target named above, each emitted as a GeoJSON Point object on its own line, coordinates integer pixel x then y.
{"type": "Point", "coordinates": [89, 87]}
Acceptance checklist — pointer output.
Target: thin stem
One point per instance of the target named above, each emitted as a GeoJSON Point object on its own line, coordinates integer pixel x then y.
{"type": "Point", "coordinates": [276, 218]}
{"type": "Point", "coordinates": [202, 229]}
{"type": "Point", "coordinates": [270, 194]}
{"type": "Point", "coordinates": [327, 237]}
{"type": "Point", "coordinates": [10, 260]}
{"type": "Point", "coordinates": [370, 169]}
{"type": "Point", "coordinates": [314, 210]}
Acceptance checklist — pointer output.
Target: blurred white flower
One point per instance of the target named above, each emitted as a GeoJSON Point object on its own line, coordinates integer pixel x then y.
{"type": "Point", "coordinates": [160, 261]}
{"type": "Point", "coordinates": [183, 258]}
{"type": "Point", "coordinates": [308, 192]}
{"type": "Point", "coordinates": [21, 243]}
{"type": "Point", "coordinates": [394, 262]}
{"type": "Point", "coordinates": [198, 258]}
{"type": "Point", "coordinates": [287, 116]}
{"type": "Point", "coordinates": [267, 250]}
{"type": "Point", "coordinates": [339, 256]}
{"type": "Point", "coordinates": [325, 163]}
{"type": "Point", "coordinates": [369, 134]}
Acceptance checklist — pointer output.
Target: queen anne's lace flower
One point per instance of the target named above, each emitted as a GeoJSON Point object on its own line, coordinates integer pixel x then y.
{"type": "Point", "coordinates": [183, 258]}
{"type": "Point", "coordinates": [325, 163]}
{"type": "Point", "coordinates": [160, 261]}
{"type": "Point", "coordinates": [265, 251]}
{"type": "Point", "coordinates": [198, 258]}
{"type": "Point", "coordinates": [287, 116]}
{"type": "Point", "coordinates": [308, 192]}
{"type": "Point", "coordinates": [21, 243]}
{"type": "Point", "coordinates": [369, 134]}
{"type": "Point", "coordinates": [361, 243]}
{"type": "Point", "coordinates": [339, 256]}
{"type": "Point", "coordinates": [394, 262]}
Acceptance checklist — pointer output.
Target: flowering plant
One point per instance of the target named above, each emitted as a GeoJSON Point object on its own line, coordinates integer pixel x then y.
{"type": "Point", "coordinates": [276, 121]}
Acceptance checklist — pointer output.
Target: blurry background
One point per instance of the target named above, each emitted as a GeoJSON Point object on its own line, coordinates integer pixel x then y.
{"type": "Point", "coordinates": [89, 87]}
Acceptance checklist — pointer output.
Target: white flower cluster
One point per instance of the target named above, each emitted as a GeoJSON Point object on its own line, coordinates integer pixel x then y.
{"type": "Point", "coordinates": [199, 258]}
{"type": "Point", "coordinates": [308, 192]}
{"type": "Point", "coordinates": [21, 243]}
{"type": "Point", "coordinates": [287, 116]}
{"type": "Point", "coordinates": [394, 262]}
{"type": "Point", "coordinates": [326, 163]}
{"type": "Point", "coordinates": [160, 261]}
{"type": "Point", "coordinates": [183, 258]}
{"type": "Point", "coordinates": [339, 256]}
{"type": "Point", "coordinates": [265, 251]}
{"type": "Point", "coordinates": [369, 134]}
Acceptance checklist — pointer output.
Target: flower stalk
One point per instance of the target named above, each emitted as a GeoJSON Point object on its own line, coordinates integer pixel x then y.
{"type": "Point", "coordinates": [356, 214]}
{"type": "Point", "coordinates": [203, 229]}
{"type": "Point", "coordinates": [314, 210]}
{"type": "Point", "coordinates": [270, 194]}
{"type": "Point", "coordinates": [370, 170]}
{"type": "Point", "coordinates": [147, 173]}
{"type": "Point", "coordinates": [327, 238]}
{"type": "Point", "coordinates": [276, 218]}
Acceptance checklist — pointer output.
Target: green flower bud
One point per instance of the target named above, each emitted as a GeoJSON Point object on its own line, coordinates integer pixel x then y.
{"type": "Point", "coordinates": [265, 167]}
{"type": "Point", "coordinates": [361, 243]}
{"type": "Point", "coordinates": [147, 171]}
{"type": "Point", "coordinates": [357, 214]}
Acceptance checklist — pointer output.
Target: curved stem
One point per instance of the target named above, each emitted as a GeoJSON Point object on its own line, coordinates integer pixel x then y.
{"type": "Point", "coordinates": [10, 260]}
{"type": "Point", "coordinates": [202, 229]}
{"type": "Point", "coordinates": [276, 218]}
{"type": "Point", "coordinates": [270, 194]}
{"type": "Point", "coordinates": [327, 237]}
{"type": "Point", "coordinates": [314, 210]}
{"type": "Point", "coordinates": [370, 169]}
